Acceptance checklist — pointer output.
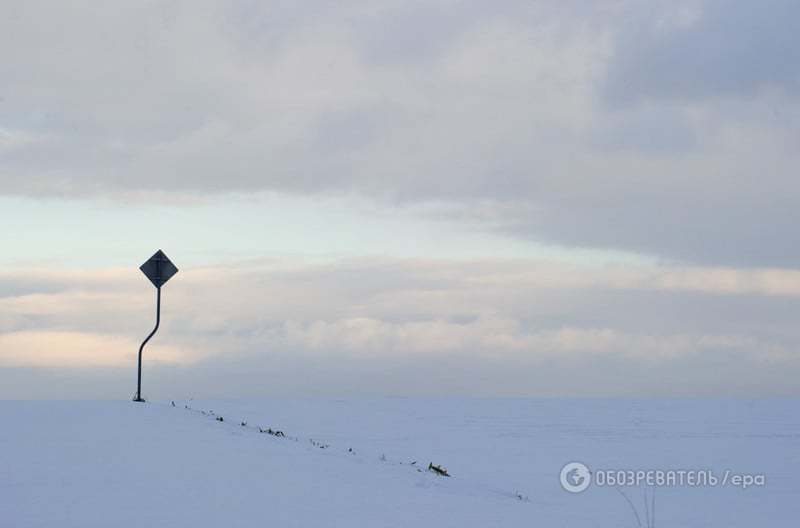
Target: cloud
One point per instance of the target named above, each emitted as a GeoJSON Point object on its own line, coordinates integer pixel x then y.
{"type": "Point", "coordinates": [497, 338]}
{"type": "Point", "coordinates": [77, 350]}
{"type": "Point", "coordinates": [666, 130]}
{"type": "Point", "coordinates": [696, 50]}
{"type": "Point", "coordinates": [492, 320]}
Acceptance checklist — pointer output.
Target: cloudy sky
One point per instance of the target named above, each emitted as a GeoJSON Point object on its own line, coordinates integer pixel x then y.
{"type": "Point", "coordinates": [401, 197]}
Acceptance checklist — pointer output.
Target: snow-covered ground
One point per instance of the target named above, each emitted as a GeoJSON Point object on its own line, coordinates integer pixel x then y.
{"type": "Point", "coordinates": [118, 463]}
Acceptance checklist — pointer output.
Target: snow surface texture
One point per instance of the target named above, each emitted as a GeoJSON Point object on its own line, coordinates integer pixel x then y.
{"type": "Point", "coordinates": [347, 462]}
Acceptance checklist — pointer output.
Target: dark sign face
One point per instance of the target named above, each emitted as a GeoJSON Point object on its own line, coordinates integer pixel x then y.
{"type": "Point", "coordinates": [159, 269]}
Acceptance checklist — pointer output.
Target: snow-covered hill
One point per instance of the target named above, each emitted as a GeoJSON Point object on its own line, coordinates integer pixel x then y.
{"type": "Point", "coordinates": [363, 462]}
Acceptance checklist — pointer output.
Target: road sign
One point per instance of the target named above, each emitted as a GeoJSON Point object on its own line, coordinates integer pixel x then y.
{"type": "Point", "coordinates": [159, 269]}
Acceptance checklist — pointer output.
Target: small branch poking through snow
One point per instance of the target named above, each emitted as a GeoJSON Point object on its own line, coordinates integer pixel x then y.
{"type": "Point", "coordinates": [439, 470]}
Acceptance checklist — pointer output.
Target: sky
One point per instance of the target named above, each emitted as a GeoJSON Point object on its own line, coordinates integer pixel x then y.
{"type": "Point", "coordinates": [400, 198]}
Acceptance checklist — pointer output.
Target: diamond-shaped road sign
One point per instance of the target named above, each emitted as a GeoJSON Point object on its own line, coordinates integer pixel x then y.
{"type": "Point", "coordinates": [159, 269]}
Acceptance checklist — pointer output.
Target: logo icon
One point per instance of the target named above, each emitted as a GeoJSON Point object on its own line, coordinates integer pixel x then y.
{"type": "Point", "coordinates": [575, 477]}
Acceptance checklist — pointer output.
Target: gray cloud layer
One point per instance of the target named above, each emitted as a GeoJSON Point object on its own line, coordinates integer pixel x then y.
{"type": "Point", "coordinates": [404, 327]}
{"type": "Point", "coordinates": [669, 128]}
{"type": "Point", "coordinates": [712, 49]}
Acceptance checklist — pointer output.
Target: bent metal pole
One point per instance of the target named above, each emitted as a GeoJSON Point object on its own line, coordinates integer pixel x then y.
{"type": "Point", "coordinates": [138, 397]}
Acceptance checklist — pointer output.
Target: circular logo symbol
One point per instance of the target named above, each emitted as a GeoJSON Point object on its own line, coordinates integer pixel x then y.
{"type": "Point", "coordinates": [575, 477]}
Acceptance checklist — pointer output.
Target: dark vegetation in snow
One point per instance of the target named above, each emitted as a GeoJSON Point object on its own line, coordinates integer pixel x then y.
{"type": "Point", "coordinates": [436, 469]}
{"type": "Point", "coordinates": [439, 470]}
